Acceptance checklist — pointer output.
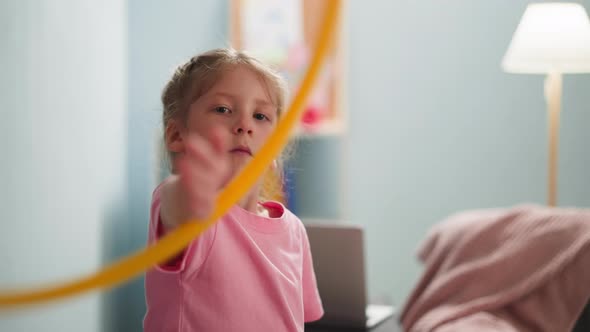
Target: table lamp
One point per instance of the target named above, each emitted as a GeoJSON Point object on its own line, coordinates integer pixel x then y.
{"type": "Point", "coordinates": [551, 39]}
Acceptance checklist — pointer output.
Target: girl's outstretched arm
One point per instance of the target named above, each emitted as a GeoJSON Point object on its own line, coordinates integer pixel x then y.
{"type": "Point", "coordinates": [202, 170]}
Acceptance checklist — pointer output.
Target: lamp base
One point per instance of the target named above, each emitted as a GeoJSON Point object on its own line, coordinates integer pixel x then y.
{"type": "Point", "coordinates": [553, 87]}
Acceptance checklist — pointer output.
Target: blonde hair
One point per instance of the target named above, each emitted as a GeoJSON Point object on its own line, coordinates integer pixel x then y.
{"type": "Point", "coordinates": [194, 78]}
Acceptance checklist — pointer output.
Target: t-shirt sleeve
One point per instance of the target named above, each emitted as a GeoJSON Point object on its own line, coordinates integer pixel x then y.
{"type": "Point", "coordinates": [192, 256]}
{"type": "Point", "coordinates": [312, 303]}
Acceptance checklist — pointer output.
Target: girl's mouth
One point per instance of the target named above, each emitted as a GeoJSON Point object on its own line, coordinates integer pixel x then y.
{"type": "Point", "coordinates": [241, 149]}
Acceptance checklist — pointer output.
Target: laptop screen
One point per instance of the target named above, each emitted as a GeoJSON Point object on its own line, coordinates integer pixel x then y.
{"type": "Point", "coordinates": [339, 263]}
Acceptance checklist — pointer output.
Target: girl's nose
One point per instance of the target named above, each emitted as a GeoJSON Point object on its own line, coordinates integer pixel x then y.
{"type": "Point", "coordinates": [240, 130]}
{"type": "Point", "coordinates": [243, 126]}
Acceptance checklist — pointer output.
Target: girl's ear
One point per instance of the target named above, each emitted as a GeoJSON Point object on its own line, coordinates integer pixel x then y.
{"type": "Point", "coordinates": [173, 136]}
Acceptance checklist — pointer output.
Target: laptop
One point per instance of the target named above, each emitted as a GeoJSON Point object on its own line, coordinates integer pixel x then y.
{"type": "Point", "coordinates": [339, 262]}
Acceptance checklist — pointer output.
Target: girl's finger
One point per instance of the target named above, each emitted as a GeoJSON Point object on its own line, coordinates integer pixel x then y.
{"type": "Point", "coordinates": [200, 151]}
{"type": "Point", "coordinates": [217, 142]}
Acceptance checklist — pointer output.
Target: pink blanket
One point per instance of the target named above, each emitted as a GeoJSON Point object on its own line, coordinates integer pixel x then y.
{"type": "Point", "coordinates": [521, 269]}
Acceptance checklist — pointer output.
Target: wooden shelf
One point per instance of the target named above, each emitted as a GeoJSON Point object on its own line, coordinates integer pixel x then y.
{"type": "Point", "coordinates": [327, 128]}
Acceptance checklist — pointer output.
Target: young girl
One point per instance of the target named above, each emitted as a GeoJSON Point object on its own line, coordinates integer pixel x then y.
{"type": "Point", "coordinates": [252, 270]}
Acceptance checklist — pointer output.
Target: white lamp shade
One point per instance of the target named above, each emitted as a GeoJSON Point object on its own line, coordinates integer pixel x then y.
{"type": "Point", "coordinates": [551, 37]}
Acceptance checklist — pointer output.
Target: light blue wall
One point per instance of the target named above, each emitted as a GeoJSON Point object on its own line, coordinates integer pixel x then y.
{"type": "Point", "coordinates": [63, 140]}
{"type": "Point", "coordinates": [437, 127]}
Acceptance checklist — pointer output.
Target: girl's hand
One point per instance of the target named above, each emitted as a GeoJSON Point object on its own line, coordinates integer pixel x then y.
{"type": "Point", "coordinates": [203, 170]}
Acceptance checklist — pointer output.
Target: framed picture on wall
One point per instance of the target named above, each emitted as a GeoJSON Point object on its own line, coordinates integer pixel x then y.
{"type": "Point", "coordinates": [281, 33]}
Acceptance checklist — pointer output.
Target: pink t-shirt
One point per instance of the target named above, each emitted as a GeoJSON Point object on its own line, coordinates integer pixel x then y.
{"type": "Point", "coordinates": [244, 273]}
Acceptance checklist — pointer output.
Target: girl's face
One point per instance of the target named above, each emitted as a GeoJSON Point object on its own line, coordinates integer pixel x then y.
{"type": "Point", "coordinates": [239, 107]}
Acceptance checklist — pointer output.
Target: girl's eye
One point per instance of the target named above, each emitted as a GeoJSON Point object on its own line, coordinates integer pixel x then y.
{"type": "Point", "coordinates": [260, 116]}
{"type": "Point", "coordinates": [222, 110]}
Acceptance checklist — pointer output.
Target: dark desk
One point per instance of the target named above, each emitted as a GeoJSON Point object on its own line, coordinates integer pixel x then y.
{"type": "Point", "coordinates": [390, 325]}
